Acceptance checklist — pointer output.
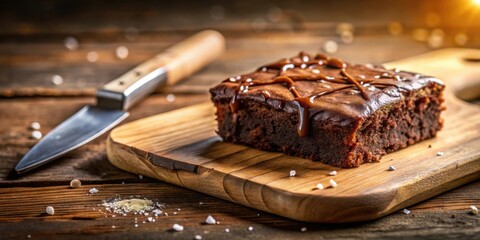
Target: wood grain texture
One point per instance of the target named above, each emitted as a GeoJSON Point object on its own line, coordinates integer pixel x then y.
{"type": "Point", "coordinates": [180, 147]}
{"type": "Point", "coordinates": [78, 215]}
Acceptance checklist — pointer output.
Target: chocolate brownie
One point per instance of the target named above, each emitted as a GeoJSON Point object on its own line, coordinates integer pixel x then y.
{"type": "Point", "coordinates": [328, 110]}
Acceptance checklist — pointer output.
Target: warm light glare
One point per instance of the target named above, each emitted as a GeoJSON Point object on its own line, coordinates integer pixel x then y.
{"type": "Point", "coordinates": [476, 2]}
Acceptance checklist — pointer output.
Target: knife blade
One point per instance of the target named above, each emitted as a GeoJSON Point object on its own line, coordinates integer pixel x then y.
{"type": "Point", "coordinates": [116, 97]}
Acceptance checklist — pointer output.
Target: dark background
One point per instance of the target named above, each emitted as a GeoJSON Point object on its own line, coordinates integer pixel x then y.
{"type": "Point", "coordinates": [32, 35]}
{"type": "Point", "coordinates": [43, 17]}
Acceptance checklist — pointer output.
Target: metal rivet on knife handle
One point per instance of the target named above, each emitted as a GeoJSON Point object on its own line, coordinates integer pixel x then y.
{"type": "Point", "coordinates": [168, 67]}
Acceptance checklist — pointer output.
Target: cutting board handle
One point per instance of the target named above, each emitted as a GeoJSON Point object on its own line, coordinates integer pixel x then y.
{"type": "Point", "coordinates": [458, 68]}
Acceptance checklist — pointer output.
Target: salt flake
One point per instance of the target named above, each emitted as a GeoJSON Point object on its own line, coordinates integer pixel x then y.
{"type": "Point", "coordinates": [93, 191]}
{"type": "Point", "coordinates": [474, 210]}
{"type": "Point", "coordinates": [177, 227]}
{"type": "Point", "coordinates": [333, 184]}
{"type": "Point", "coordinates": [50, 210]}
{"type": "Point", "coordinates": [210, 220]}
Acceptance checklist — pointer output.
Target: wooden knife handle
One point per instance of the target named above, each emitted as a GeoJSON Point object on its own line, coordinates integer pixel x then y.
{"type": "Point", "coordinates": [190, 55]}
{"type": "Point", "coordinates": [168, 67]}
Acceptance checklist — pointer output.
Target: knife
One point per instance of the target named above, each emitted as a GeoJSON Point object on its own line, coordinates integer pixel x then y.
{"type": "Point", "coordinates": [119, 95]}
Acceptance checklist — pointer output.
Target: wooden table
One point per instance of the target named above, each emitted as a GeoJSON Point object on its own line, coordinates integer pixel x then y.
{"type": "Point", "coordinates": [32, 51]}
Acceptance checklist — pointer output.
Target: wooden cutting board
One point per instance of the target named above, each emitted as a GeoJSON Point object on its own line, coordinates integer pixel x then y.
{"type": "Point", "coordinates": [181, 147]}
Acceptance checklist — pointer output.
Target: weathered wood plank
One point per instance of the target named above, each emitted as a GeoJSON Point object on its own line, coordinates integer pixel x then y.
{"type": "Point", "coordinates": [77, 213]}
{"type": "Point", "coordinates": [153, 15]}
{"type": "Point", "coordinates": [27, 69]}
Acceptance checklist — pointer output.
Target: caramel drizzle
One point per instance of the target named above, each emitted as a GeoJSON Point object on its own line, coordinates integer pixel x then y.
{"type": "Point", "coordinates": [305, 103]}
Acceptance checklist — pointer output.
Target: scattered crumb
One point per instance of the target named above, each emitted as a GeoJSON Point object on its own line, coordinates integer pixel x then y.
{"type": "Point", "coordinates": [157, 212]}
{"type": "Point", "coordinates": [347, 37]}
{"type": "Point", "coordinates": [29, 236]}
{"type": "Point", "coordinates": [35, 126]}
{"type": "Point", "coordinates": [429, 145]}
{"type": "Point", "coordinates": [440, 153]}
{"type": "Point", "coordinates": [320, 186]}
{"type": "Point", "coordinates": [140, 177]}
{"type": "Point", "coordinates": [392, 168]}
{"type": "Point", "coordinates": [121, 52]}
{"type": "Point", "coordinates": [293, 173]}
{"type": "Point", "coordinates": [71, 43]}
{"type": "Point", "coordinates": [200, 203]}
{"type": "Point", "coordinates": [333, 184]}
{"type": "Point", "coordinates": [198, 237]}
{"type": "Point", "coordinates": [330, 46]}
{"type": "Point", "coordinates": [113, 226]}
{"type": "Point", "coordinates": [92, 56]}
{"type": "Point", "coordinates": [170, 98]}
{"type": "Point", "coordinates": [93, 191]}
{"type": "Point", "coordinates": [178, 209]}
{"type": "Point", "coordinates": [150, 219]}
{"type": "Point", "coordinates": [250, 228]}
{"type": "Point", "coordinates": [75, 183]}
{"type": "Point", "coordinates": [50, 210]}
{"type": "Point", "coordinates": [473, 210]}
{"type": "Point", "coordinates": [136, 225]}
{"type": "Point", "coordinates": [333, 173]}
{"type": "Point", "coordinates": [132, 205]}
{"type": "Point", "coordinates": [123, 183]}
{"type": "Point", "coordinates": [166, 214]}
{"type": "Point", "coordinates": [177, 227]}
{"type": "Point", "coordinates": [227, 230]}
{"type": "Point", "coordinates": [174, 213]}
{"type": "Point", "coordinates": [210, 220]}
{"type": "Point", "coordinates": [406, 211]}
{"type": "Point", "coordinates": [36, 135]}
{"type": "Point", "coordinates": [57, 79]}
{"type": "Point", "coordinates": [303, 229]}
{"type": "Point", "coordinates": [218, 222]}
{"type": "Point", "coordinates": [258, 214]}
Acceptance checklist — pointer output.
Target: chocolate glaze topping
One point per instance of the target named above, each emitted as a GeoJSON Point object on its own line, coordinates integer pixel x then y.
{"type": "Point", "coordinates": [323, 87]}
